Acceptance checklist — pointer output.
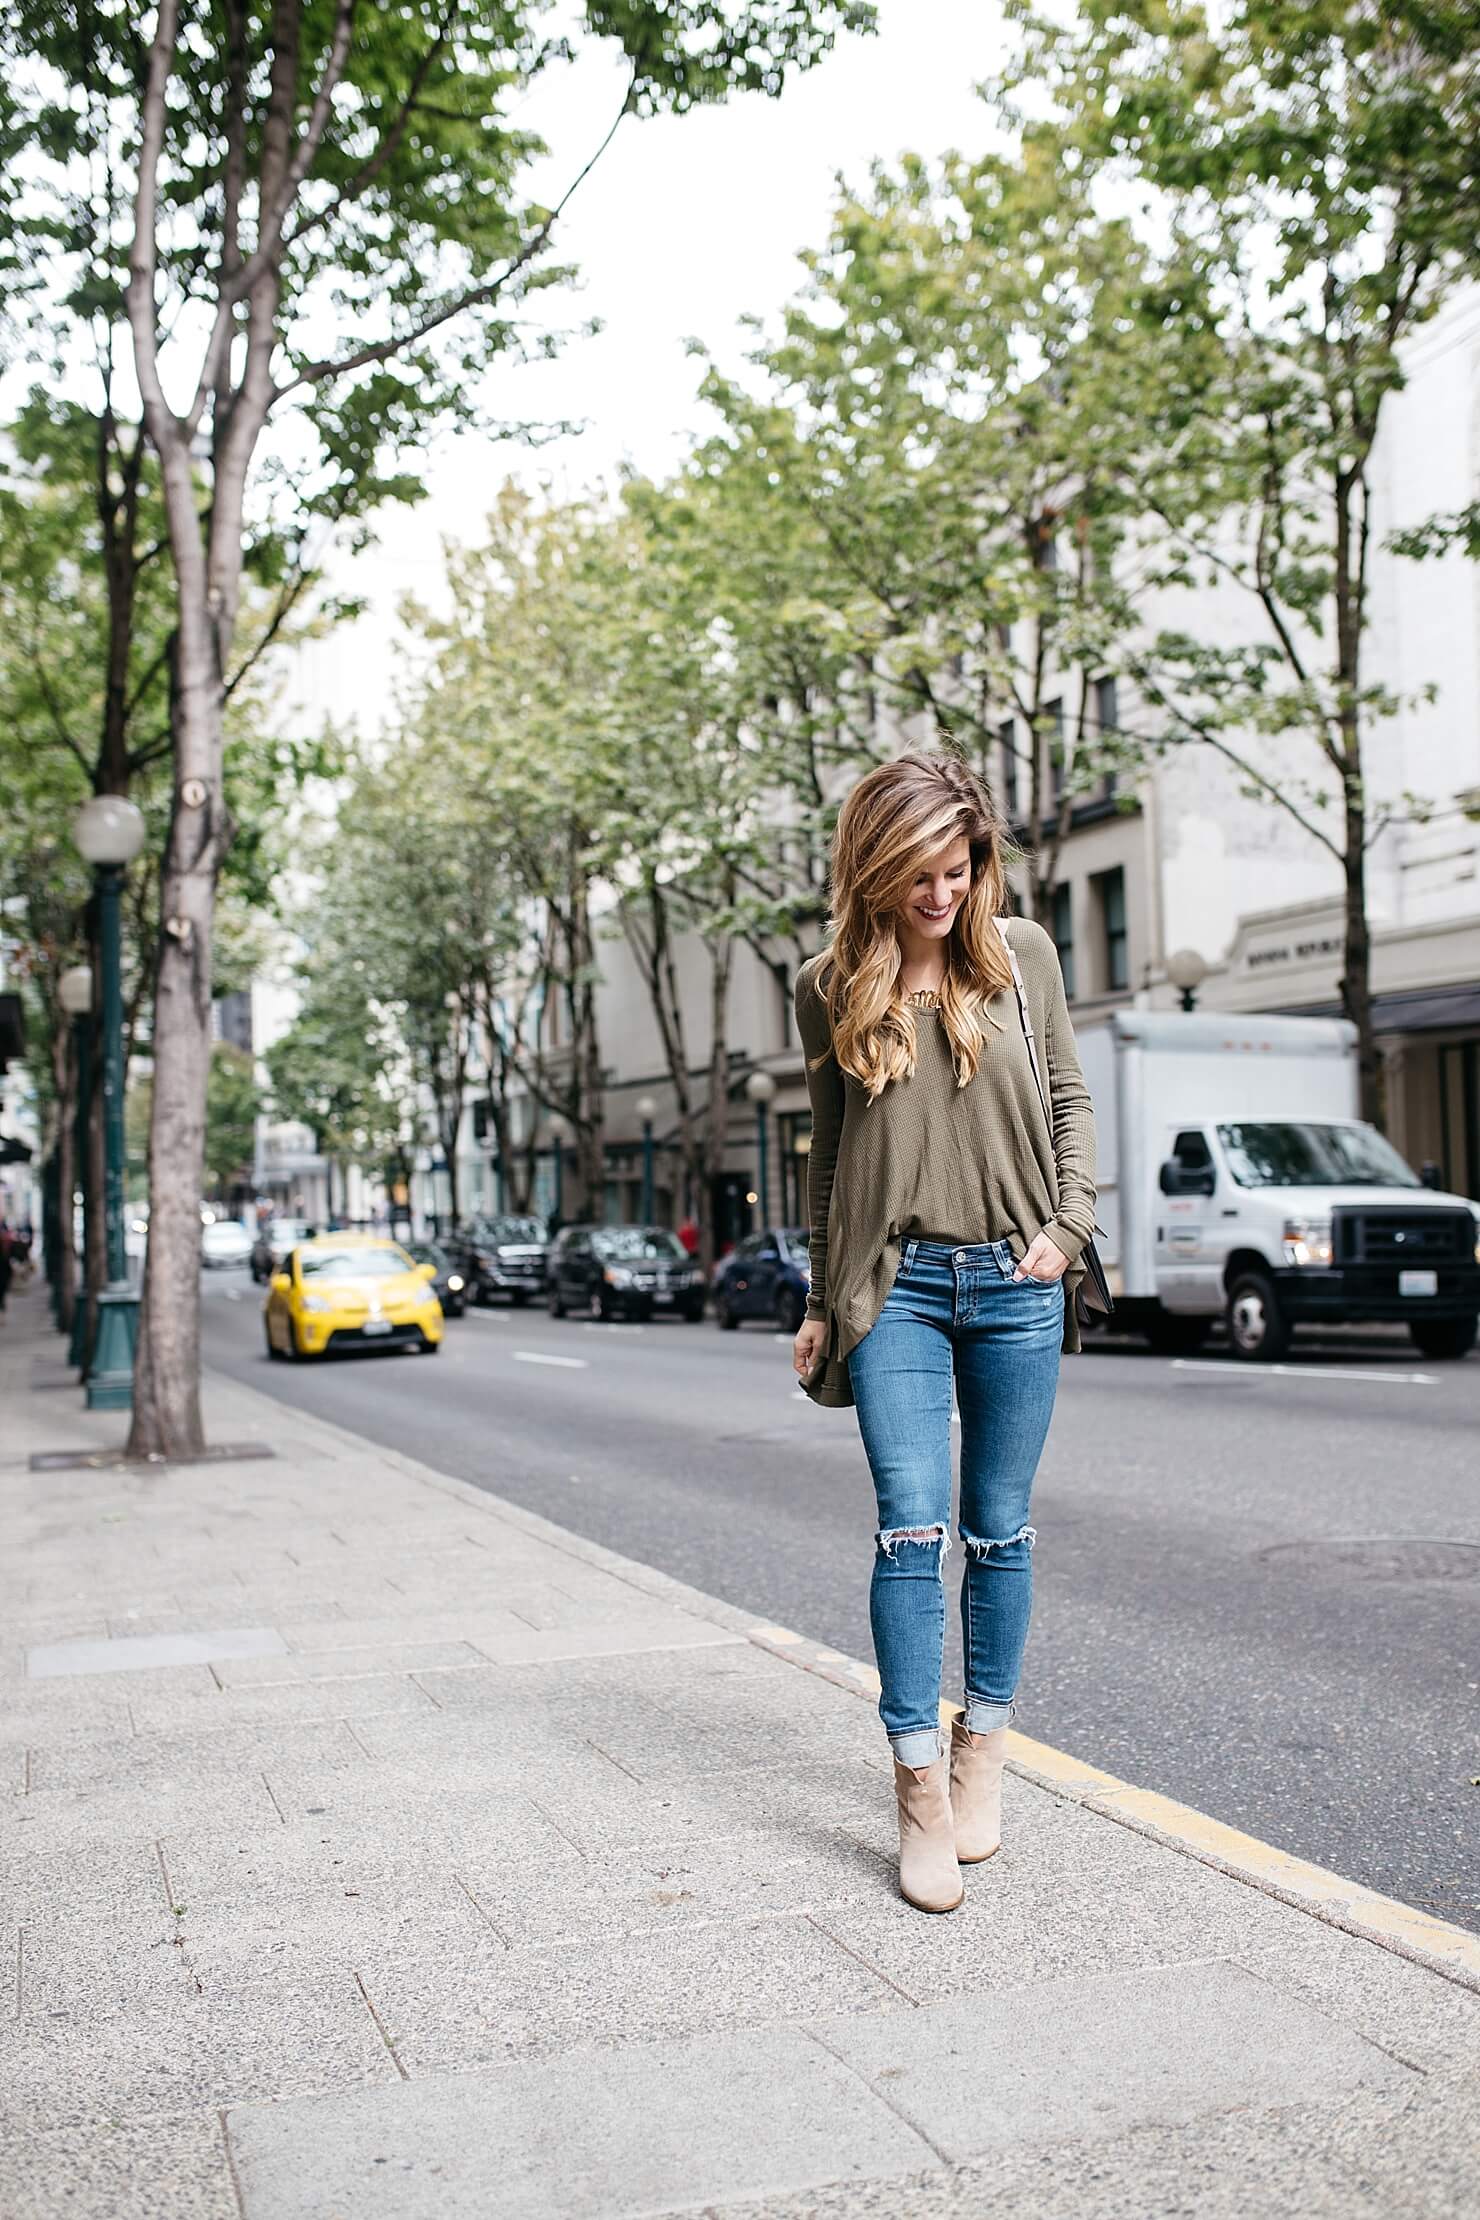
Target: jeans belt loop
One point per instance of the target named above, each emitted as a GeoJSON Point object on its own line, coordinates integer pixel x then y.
{"type": "Point", "coordinates": [909, 1255]}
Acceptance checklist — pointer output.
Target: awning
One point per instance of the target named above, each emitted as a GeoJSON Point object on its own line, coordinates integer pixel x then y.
{"type": "Point", "coordinates": [1424, 1010]}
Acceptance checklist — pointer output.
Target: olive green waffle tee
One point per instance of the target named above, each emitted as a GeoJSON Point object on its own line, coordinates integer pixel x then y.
{"type": "Point", "coordinates": [927, 1158]}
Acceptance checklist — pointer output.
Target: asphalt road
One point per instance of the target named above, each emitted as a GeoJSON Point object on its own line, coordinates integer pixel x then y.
{"type": "Point", "coordinates": [1258, 1591]}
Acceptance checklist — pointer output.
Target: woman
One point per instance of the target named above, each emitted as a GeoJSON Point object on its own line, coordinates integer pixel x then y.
{"type": "Point", "coordinates": [949, 1208]}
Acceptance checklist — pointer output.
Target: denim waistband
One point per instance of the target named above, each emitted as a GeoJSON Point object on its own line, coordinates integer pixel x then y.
{"type": "Point", "coordinates": [935, 1245]}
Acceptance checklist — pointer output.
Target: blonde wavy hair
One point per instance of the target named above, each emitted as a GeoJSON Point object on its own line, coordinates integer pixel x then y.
{"type": "Point", "coordinates": [893, 822]}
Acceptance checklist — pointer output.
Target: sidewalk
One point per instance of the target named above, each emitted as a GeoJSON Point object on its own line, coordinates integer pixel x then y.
{"type": "Point", "coordinates": [374, 1850]}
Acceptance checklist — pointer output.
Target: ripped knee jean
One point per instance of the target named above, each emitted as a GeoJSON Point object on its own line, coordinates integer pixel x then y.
{"type": "Point", "coordinates": [956, 1330]}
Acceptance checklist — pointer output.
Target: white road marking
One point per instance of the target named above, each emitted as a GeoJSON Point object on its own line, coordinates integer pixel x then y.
{"type": "Point", "coordinates": [611, 1326]}
{"type": "Point", "coordinates": [538, 1356]}
{"type": "Point", "coordinates": [1304, 1371]}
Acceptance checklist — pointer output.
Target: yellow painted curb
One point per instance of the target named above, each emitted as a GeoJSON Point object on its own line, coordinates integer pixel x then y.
{"type": "Point", "coordinates": [1336, 1902]}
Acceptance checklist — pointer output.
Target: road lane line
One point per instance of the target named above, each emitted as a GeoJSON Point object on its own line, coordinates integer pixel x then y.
{"type": "Point", "coordinates": [1302, 1372]}
{"type": "Point", "coordinates": [538, 1356]}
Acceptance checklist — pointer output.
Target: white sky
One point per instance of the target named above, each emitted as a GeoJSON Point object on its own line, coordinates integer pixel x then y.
{"type": "Point", "coordinates": [688, 224]}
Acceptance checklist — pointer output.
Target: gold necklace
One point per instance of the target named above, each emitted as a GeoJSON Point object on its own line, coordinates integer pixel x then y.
{"type": "Point", "coordinates": [924, 998]}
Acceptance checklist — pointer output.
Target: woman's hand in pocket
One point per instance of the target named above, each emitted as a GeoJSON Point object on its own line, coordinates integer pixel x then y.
{"type": "Point", "coordinates": [1042, 1261]}
{"type": "Point", "coordinates": [808, 1348]}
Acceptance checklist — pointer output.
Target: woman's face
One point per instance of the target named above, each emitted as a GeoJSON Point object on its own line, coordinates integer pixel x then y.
{"type": "Point", "coordinates": [939, 891]}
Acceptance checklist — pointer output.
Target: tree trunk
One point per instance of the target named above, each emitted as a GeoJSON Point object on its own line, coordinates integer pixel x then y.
{"type": "Point", "coordinates": [1356, 978]}
{"type": "Point", "coordinates": [167, 1419]}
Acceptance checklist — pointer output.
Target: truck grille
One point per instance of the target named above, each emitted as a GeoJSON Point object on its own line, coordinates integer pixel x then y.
{"type": "Point", "coordinates": [1402, 1237]}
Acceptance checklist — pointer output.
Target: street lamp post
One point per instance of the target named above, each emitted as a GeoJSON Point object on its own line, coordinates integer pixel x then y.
{"type": "Point", "coordinates": [761, 1088]}
{"type": "Point", "coordinates": [109, 832]}
{"type": "Point", "coordinates": [647, 1110]}
{"type": "Point", "coordinates": [75, 993]}
{"type": "Point", "coordinates": [1187, 970]}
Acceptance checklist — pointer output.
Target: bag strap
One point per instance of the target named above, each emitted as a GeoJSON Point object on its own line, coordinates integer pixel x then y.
{"type": "Point", "coordinates": [1022, 1003]}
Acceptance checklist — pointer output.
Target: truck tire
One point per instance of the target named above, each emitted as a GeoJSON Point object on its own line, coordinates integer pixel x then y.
{"type": "Point", "coordinates": [1258, 1330]}
{"type": "Point", "coordinates": [1174, 1336]}
{"type": "Point", "coordinates": [1443, 1337]}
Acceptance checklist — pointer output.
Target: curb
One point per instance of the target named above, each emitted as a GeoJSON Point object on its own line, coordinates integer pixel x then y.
{"type": "Point", "coordinates": [1435, 1944]}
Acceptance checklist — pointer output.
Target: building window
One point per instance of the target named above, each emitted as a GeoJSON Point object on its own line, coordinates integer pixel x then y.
{"type": "Point", "coordinates": [1107, 719]}
{"type": "Point", "coordinates": [1007, 735]}
{"type": "Point", "coordinates": [1063, 935]}
{"type": "Point", "coordinates": [1053, 712]}
{"type": "Point", "coordinates": [1109, 889]}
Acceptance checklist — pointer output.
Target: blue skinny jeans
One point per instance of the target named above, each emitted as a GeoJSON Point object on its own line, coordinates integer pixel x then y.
{"type": "Point", "coordinates": [954, 1315]}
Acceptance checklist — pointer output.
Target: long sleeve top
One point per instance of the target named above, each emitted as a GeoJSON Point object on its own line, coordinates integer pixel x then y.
{"type": "Point", "coordinates": [929, 1159]}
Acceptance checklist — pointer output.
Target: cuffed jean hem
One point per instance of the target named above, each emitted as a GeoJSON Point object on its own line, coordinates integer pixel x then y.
{"type": "Point", "coordinates": [983, 1717]}
{"type": "Point", "coordinates": [917, 1746]}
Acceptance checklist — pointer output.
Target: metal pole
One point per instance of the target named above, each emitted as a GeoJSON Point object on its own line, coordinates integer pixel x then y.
{"type": "Point", "coordinates": [760, 1137]}
{"type": "Point", "coordinates": [110, 940]}
{"type": "Point", "coordinates": [77, 1347]}
{"type": "Point", "coordinates": [647, 1171]}
{"type": "Point", "coordinates": [110, 1378]}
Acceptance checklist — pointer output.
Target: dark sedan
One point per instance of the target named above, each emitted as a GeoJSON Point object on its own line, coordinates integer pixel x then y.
{"type": "Point", "coordinates": [448, 1282]}
{"type": "Point", "coordinates": [500, 1257]}
{"type": "Point", "coordinates": [622, 1272]}
{"type": "Point", "coordinates": [766, 1276]}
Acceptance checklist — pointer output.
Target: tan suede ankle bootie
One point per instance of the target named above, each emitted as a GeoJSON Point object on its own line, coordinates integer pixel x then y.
{"type": "Point", "coordinates": [976, 1791]}
{"type": "Point", "coordinates": [929, 1877]}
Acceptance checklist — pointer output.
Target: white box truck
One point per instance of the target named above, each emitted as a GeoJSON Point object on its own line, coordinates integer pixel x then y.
{"type": "Point", "coordinates": [1237, 1182]}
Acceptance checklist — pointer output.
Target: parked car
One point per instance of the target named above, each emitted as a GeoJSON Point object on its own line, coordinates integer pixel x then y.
{"type": "Point", "coordinates": [767, 1275]}
{"type": "Point", "coordinates": [501, 1256]}
{"type": "Point", "coordinates": [225, 1242]}
{"type": "Point", "coordinates": [622, 1271]}
{"type": "Point", "coordinates": [273, 1243]}
{"type": "Point", "coordinates": [350, 1291]}
{"type": "Point", "coordinates": [451, 1287]}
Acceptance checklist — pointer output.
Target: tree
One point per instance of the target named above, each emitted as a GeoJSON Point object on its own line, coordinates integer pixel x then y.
{"type": "Point", "coordinates": [1311, 174]}
{"type": "Point", "coordinates": [301, 168]}
{"type": "Point", "coordinates": [955, 409]}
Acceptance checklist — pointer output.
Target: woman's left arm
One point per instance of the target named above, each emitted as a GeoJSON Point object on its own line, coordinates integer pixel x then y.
{"type": "Point", "coordinates": [1073, 1125]}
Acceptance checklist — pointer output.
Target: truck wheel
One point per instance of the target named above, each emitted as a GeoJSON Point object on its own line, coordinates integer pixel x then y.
{"type": "Point", "coordinates": [1258, 1330]}
{"type": "Point", "coordinates": [1173, 1336]}
{"type": "Point", "coordinates": [1443, 1337]}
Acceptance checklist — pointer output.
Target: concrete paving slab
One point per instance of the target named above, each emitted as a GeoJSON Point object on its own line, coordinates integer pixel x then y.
{"type": "Point", "coordinates": [1356, 2158]}
{"type": "Point", "coordinates": [266, 2039]}
{"type": "Point", "coordinates": [1388, 1999]}
{"type": "Point", "coordinates": [74, 1965]}
{"type": "Point", "coordinates": [131, 1653]}
{"type": "Point", "coordinates": [1051, 2061]}
{"type": "Point", "coordinates": [119, 2169]}
{"type": "Point", "coordinates": [351, 1664]}
{"type": "Point", "coordinates": [170, 1760]}
{"type": "Point", "coordinates": [324, 1930]}
{"type": "Point", "coordinates": [1061, 1897]}
{"type": "Point", "coordinates": [745, 1875]}
{"type": "Point", "coordinates": [319, 1850]}
{"type": "Point", "coordinates": [82, 1820]}
{"type": "Point", "coordinates": [580, 2138]}
{"type": "Point", "coordinates": [365, 1695]}
{"type": "Point", "coordinates": [499, 2003]}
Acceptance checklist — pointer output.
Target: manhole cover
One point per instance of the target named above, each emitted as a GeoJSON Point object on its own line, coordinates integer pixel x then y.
{"type": "Point", "coordinates": [1383, 1557]}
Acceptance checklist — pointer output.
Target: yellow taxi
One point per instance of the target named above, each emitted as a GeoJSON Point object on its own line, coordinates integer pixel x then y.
{"type": "Point", "coordinates": [351, 1291]}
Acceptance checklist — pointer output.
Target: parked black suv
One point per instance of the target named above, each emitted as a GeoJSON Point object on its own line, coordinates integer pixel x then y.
{"type": "Point", "coordinates": [500, 1257]}
{"type": "Point", "coordinates": [622, 1271]}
